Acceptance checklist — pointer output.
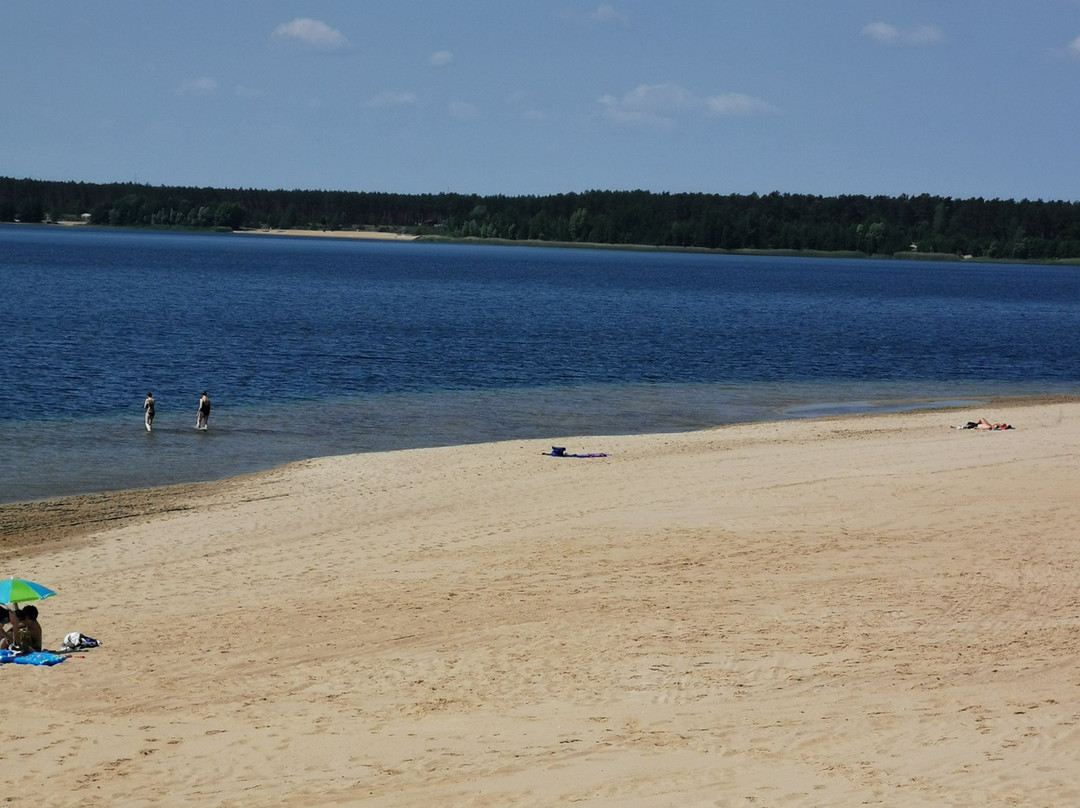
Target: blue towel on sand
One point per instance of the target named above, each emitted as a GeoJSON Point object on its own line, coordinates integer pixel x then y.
{"type": "Point", "coordinates": [38, 658]}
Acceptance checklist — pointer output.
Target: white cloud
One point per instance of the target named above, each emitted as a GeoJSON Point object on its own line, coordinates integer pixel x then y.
{"type": "Point", "coordinates": [391, 99]}
{"type": "Point", "coordinates": [881, 31]}
{"type": "Point", "coordinates": [607, 13]}
{"type": "Point", "coordinates": [1074, 47]}
{"type": "Point", "coordinates": [311, 32]}
{"type": "Point", "coordinates": [648, 105]}
{"type": "Point", "coordinates": [660, 105]}
{"type": "Point", "coordinates": [461, 110]}
{"type": "Point", "coordinates": [891, 35]}
{"type": "Point", "coordinates": [201, 86]}
{"type": "Point", "coordinates": [440, 58]}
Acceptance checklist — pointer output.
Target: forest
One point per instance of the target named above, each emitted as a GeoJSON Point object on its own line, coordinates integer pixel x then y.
{"type": "Point", "coordinates": [902, 226]}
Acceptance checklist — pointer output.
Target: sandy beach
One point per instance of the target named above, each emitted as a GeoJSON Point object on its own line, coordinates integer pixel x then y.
{"type": "Point", "coordinates": [870, 610]}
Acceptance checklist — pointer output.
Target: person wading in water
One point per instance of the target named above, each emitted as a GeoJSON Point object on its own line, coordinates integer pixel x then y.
{"type": "Point", "coordinates": [203, 417]}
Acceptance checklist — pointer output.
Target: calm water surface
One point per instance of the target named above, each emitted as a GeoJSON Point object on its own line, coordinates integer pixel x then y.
{"type": "Point", "coordinates": [315, 347]}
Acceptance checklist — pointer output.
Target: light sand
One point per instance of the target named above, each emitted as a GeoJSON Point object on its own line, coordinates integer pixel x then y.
{"type": "Point", "coordinates": [877, 610]}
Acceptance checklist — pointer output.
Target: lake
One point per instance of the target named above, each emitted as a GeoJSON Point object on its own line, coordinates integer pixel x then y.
{"type": "Point", "coordinates": [312, 347]}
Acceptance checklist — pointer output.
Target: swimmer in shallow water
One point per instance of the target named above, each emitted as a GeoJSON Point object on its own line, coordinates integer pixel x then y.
{"type": "Point", "coordinates": [203, 417]}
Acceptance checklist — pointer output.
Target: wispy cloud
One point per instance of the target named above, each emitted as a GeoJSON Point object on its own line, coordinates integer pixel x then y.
{"type": "Point", "coordinates": [440, 58]}
{"type": "Point", "coordinates": [1074, 47]}
{"type": "Point", "coordinates": [607, 13]}
{"type": "Point", "coordinates": [661, 105]}
{"type": "Point", "coordinates": [461, 110]}
{"type": "Point", "coordinates": [201, 86]}
{"type": "Point", "coordinates": [391, 99]}
{"type": "Point", "coordinates": [893, 35]}
{"type": "Point", "coordinates": [314, 33]}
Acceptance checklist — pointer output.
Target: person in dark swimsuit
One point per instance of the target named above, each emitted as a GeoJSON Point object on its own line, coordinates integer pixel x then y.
{"type": "Point", "coordinates": [203, 416]}
{"type": "Point", "coordinates": [148, 407]}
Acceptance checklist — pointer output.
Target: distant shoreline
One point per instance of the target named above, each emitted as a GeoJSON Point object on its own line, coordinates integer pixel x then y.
{"type": "Point", "coordinates": [364, 235]}
{"type": "Point", "coordinates": [596, 245]}
{"type": "Point", "coordinates": [377, 235]}
{"type": "Point", "coordinates": [367, 235]}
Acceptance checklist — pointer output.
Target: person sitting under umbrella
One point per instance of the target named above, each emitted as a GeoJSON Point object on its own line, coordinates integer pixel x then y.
{"type": "Point", "coordinates": [25, 633]}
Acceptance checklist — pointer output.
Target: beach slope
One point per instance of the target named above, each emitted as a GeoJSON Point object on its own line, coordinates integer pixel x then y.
{"type": "Point", "coordinates": [873, 610]}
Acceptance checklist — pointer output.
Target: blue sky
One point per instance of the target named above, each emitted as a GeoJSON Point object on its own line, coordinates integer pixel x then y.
{"type": "Point", "coordinates": [960, 98]}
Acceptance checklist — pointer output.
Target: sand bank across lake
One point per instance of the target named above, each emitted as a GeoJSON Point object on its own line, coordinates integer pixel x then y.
{"type": "Point", "coordinates": [370, 235]}
{"type": "Point", "coordinates": [873, 610]}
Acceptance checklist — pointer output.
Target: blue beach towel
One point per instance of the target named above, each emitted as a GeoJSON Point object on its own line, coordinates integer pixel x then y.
{"type": "Point", "coordinates": [39, 658]}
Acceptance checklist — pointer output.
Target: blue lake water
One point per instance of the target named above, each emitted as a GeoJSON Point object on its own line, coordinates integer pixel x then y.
{"type": "Point", "coordinates": [312, 347]}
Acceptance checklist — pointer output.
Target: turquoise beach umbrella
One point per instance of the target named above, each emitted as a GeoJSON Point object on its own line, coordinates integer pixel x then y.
{"type": "Point", "coordinates": [16, 590]}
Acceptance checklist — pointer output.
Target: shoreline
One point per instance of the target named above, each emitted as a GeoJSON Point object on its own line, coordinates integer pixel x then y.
{"type": "Point", "coordinates": [70, 517]}
{"type": "Point", "coordinates": [103, 453]}
{"type": "Point", "coordinates": [374, 235]}
{"type": "Point", "coordinates": [600, 245]}
{"type": "Point", "coordinates": [365, 235]}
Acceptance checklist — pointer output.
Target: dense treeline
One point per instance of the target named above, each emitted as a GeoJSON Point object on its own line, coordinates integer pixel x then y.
{"type": "Point", "coordinates": [878, 225]}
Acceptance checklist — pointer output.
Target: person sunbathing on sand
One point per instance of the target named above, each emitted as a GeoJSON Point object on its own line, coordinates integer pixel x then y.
{"type": "Point", "coordinates": [982, 423]}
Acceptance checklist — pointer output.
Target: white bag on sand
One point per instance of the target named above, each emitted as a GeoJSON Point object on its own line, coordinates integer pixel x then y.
{"type": "Point", "coordinates": [77, 642]}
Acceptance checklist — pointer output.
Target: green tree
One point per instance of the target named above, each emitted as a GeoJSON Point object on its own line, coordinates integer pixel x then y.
{"type": "Point", "coordinates": [31, 211]}
{"type": "Point", "coordinates": [231, 215]}
{"type": "Point", "coordinates": [289, 218]}
{"type": "Point", "coordinates": [940, 213]}
{"type": "Point", "coordinates": [870, 236]}
{"type": "Point", "coordinates": [577, 224]}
